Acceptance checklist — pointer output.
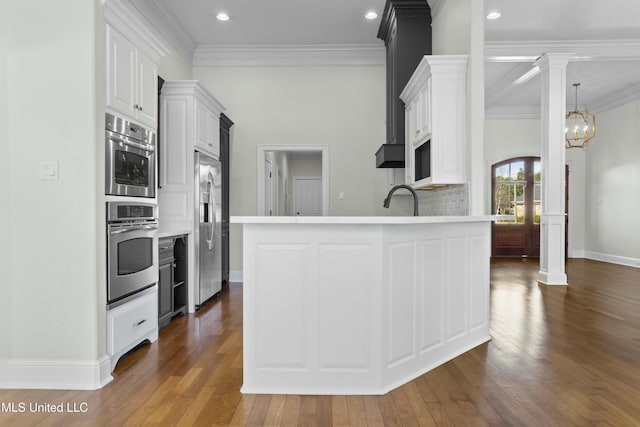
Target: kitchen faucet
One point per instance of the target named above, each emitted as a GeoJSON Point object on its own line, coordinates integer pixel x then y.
{"type": "Point", "coordinates": [387, 201]}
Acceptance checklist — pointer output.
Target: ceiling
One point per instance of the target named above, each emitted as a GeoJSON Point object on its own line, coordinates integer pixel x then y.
{"type": "Point", "coordinates": [603, 36]}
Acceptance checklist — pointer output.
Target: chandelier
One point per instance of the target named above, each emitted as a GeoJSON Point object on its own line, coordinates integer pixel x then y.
{"type": "Point", "coordinates": [580, 126]}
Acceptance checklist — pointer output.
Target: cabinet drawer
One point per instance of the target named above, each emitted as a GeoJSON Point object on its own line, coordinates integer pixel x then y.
{"type": "Point", "coordinates": [130, 322]}
{"type": "Point", "coordinates": [165, 249]}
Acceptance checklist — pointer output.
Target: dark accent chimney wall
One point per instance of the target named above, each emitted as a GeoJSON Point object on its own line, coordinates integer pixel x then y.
{"type": "Point", "coordinates": [405, 28]}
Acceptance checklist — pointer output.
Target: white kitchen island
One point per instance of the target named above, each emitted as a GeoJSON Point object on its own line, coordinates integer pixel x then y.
{"type": "Point", "coordinates": [360, 305]}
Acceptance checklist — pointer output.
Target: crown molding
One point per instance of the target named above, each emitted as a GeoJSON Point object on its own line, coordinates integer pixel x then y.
{"type": "Point", "coordinates": [156, 13]}
{"type": "Point", "coordinates": [119, 17]}
{"type": "Point", "coordinates": [289, 55]}
{"type": "Point", "coordinates": [616, 99]}
{"type": "Point", "coordinates": [513, 112]}
{"type": "Point", "coordinates": [606, 103]}
{"type": "Point", "coordinates": [436, 6]}
{"type": "Point", "coordinates": [584, 50]}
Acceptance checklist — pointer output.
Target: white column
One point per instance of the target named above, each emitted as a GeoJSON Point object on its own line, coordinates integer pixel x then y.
{"type": "Point", "coordinates": [553, 68]}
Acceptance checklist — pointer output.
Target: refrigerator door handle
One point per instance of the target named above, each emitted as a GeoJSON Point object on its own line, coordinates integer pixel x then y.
{"type": "Point", "coordinates": [212, 215]}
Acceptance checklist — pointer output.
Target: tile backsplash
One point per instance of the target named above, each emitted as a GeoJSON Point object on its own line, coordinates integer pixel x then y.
{"type": "Point", "coordinates": [451, 200]}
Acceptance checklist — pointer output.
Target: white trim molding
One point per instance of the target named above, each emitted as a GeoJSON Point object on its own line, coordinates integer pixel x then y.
{"type": "Point", "coordinates": [625, 96]}
{"type": "Point", "coordinates": [436, 6]}
{"type": "Point", "coordinates": [584, 50]}
{"type": "Point", "coordinates": [236, 277]}
{"type": "Point", "coordinates": [55, 374]}
{"type": "Point", "coordinates": [513, 112]}
{"type": "Point", "coordinates": [158, 15]}
{"type": "Point", "coordinates": [613, 259]}
{"type": "Point", "coordinates": [119, 17]}
{"type": "Point", "coordinates": [290, 55]}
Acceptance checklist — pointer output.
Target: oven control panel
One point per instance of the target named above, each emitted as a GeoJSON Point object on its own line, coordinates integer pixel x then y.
{"type": "Point", "coordinates": [125, 211]}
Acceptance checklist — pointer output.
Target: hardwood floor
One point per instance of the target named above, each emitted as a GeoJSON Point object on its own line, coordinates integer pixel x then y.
{"type": "Point", "coordinates": [559, 356]}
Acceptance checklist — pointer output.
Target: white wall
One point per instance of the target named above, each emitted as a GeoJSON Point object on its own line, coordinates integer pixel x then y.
{"type": "Point", "coordinates": [613, 182]}
{"type": "Point", "coordinates": [576, 160]}
{"type": "Point", "coordinates": [5, 227]}
{"type": "Point", "coordinates": [51, 232]}
{"type": "Point", "coordinates": [306, 166]}
{"type": "Point", "coordinates": [52, 79]}
{"type": "Point", "coordinates": [341, 106]}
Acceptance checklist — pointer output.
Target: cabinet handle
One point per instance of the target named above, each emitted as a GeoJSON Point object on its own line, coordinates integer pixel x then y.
{"type": "Point", "coordinates": [140, 322]}
{"type": "Point", "coordinates": [418, 132]}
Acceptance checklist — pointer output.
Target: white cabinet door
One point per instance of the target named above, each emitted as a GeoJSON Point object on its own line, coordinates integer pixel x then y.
{"type": "Point", "coordinates": [207, 130]}
{"type": "Point", "coordinates": [424, 99]}
{"type": "Point", "coordinates": [147, 90]}
{"type": "Point", "coordinates": [132, 80]}
{"type": "Point", "coordinates": [121, 63]}
{"type": "Point", "coordinates": [202, 132]}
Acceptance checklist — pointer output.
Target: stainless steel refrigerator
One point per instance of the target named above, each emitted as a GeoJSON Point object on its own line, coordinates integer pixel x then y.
{"type": "Point", "coordinates": [208, 212]}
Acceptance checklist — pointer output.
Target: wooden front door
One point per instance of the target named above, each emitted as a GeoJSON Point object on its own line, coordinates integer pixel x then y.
{"type": "Point", "coordinates": [516, 192]}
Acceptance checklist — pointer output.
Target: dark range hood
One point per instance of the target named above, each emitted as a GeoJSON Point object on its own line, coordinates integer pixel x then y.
{"type": "Point", "coordinates": [390, 156]}
{"type": "Point", "coordinates": [405, 28]}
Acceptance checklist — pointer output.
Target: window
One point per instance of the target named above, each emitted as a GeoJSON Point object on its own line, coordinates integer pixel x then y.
{"type": "Point", "coordinates": [509, 191]}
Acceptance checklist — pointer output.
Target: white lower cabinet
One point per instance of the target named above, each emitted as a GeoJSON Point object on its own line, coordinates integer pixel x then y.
{"type": "Point", "coordinates": [132, 323]}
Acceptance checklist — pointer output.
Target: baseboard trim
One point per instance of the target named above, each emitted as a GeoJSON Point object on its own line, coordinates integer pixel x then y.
{"type": "Point", "coordinates": [613, 259]}
{"type": "Point", "coordinates": [552, 279]}
{"type": "Point", "coordinates": [55, 374]}
{"type": "Point", "coordinates": [235, 276]}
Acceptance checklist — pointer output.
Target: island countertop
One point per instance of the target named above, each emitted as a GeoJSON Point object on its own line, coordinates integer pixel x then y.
{"type": "Point", "coordinates": [363, 219]}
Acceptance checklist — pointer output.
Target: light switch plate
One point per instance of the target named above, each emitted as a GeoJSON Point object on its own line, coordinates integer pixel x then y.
{"type": "Point", "coordinates": [48, 171]}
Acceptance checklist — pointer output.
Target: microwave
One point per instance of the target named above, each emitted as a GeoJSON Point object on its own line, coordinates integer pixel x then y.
{"type": "Point", "coordinates": [422, 161]}
{"type": "Point", "coordinates": [130, 157]}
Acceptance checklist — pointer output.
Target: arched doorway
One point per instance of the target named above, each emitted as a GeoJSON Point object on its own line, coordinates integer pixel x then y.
{"type": "Point", "coordinates": [516, 188]}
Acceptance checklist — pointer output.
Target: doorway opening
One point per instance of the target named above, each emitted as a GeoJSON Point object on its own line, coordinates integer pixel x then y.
{"type": "Point", "coordinates": [293, 180]}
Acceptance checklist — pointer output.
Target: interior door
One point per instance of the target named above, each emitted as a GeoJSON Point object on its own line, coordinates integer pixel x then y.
{"type": "Point", "coordinates": [307, 193]}
{"type": "Point", "coordinates": [281, 194]}
{"type": "Point", "coordinates": [516, 190]}
{"type": "Point", "coordinates": [267, 188]}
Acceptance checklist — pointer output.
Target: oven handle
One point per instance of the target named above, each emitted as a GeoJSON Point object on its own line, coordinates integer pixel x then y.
{"type": "Point", "coordinates": [128, 141]}
{"type": "Point", "coordinates": [136, 228]}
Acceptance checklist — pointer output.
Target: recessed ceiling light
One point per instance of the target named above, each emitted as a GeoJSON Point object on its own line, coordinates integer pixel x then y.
{"type": "Point", "coordinates": [494, 15]}
{"type": "Point", "coordinates": [222, 16]}
{"type": "Point", "coordinates": [371, 15]}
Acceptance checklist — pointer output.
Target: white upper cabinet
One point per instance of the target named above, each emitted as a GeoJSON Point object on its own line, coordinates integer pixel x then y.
{"type": "Point", "coordinates": [133, 54]}
{"type": "Point", "coordinates": [207, 127]}
{"type": "Point", "coordinates": [132, 80]}
{"type": "Point", "coordinates": [435, 122]}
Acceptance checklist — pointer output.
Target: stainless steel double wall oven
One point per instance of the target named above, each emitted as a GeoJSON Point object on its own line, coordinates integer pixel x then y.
{"type": "Point", "coordinates": [131, 209]}
{"type": "Point", "coordinates": [130, 159]}
{"type": "Point", "coordinates": [132, 248]}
